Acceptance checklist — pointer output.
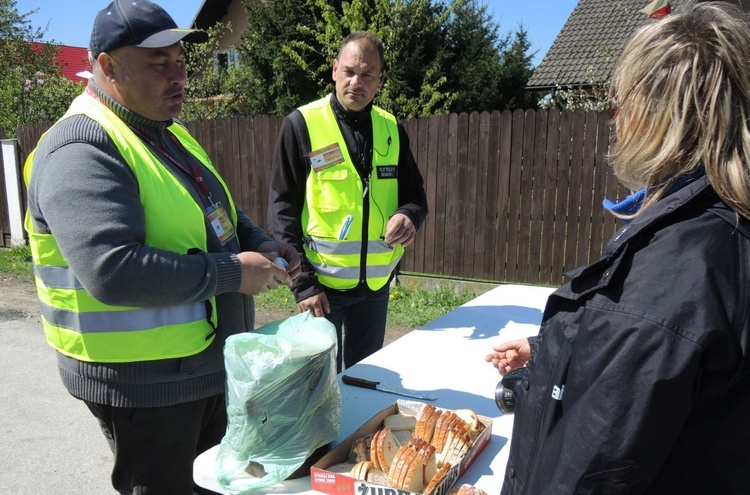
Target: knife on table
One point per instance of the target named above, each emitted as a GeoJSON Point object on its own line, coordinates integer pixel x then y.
{"type": "Point", "coordinates": [393, 389]}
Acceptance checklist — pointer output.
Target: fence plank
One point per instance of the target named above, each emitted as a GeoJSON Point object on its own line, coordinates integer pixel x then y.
{"type": "Point", "coordinates": [244, 163]}
{"type": "Point", "coordinates": [421, 129]}
{"type": "Point", "coordinates": [562, 192]}
{"type": "Point", "coordinates": [526, 195]}
{"type": "Point", "coordinates": [504, 188]}
{"type": "Point", "coordinates": [428, 167]}
{"type": "Point", "coordinates": [599, 216]}
{"type": "Point", "coordinates": [574, 191]}
{"type": "Point", "coordinates": [587, 183]}
{"type": "Point", "coordinates": [549, 183]}
{"type": "Point", "coordinates": [452, 226]}
{"type": "Point", "coordinates": [486, 178]}
{"type": "Point", "coordinates": [515, 225]}
{"type": "Point", "coordinates": [538, 236]}
{"type": "Point", "coordinates": [471, 167]}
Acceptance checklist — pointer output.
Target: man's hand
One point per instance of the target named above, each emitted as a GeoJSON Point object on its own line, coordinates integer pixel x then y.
{"type": "Point", "coordinates": [317, 305]}
{"type": "Point", "coordinates": [285, 251]}
{"type": "Point", "coordinates": [400, 230]}
{"type": "Point", "coordinates": [509, 356]}
{"type": "Point", "coordinates": [259, 274]}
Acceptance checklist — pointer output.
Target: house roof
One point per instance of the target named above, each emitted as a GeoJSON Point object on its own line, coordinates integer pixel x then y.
{"type": "Point", "coordinates": [72, 60]}
{"type": "Point", "coordinates": [589, 44]}
{"type": "Point", "coordinates": [210, 12]}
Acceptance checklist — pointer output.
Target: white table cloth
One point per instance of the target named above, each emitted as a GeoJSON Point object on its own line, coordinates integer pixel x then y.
{"type": "Point", "coordinates": [445, 357]}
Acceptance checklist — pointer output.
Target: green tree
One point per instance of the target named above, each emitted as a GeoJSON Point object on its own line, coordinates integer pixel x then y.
{"type": "Point", "coordinates": [472, 58]}
{"type": "Point", "coordinates": [441, 57]}
{"type": "Point", "coordinates": [516, 72]}
{"type": "Point", "coordinates": [412, 34]}
{"type": "Point", "coordinates": [32, 87]}
{"type": "Point", "coordinates": [486, 70]}
{"type": "Point", "coordinates": [281, 64]}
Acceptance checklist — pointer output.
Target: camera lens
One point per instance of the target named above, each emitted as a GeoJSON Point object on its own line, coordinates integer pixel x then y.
{"type": "Point", "coordinates": [506, 392]}
{"type": "Point", "coordinates": [505, 399]}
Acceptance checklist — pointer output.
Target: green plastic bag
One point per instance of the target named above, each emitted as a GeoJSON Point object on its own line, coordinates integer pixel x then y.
{"type": "Point", "coordinates": [283, 401]}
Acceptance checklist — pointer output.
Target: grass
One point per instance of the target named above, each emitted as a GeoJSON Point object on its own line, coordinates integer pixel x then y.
{"type": "Point", "coordinates": [16, 262]}
{"type": "Point", "coordinates": [413, 307]}
{"type": "Point", "coordinates": [409, 307]}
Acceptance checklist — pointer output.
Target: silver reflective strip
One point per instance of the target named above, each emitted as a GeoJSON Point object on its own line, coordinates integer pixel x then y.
{"type": "Point", "coordinates": [379, 247]}
{"type": "Point", "coordinates": [346, 273]}
{"type": "Point", "coordinates": [126, 320]}
{"type": "Point", "coordinates": [347, 247]}
{"type": "Point", "coordinates": [334, 247]}
{"type": "Point", "coordinates": [57, 277]}
{"type": "Point", "coordinates": [352, 273]}
{"type": "Point", "coordinates": [381, 270]}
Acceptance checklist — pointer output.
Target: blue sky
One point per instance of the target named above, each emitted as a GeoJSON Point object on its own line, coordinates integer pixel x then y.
{"type": "Point", "coordinates": [70, 23]}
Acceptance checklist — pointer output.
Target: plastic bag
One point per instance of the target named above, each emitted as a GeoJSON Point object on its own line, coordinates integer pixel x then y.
{"type": "Point", "coordinates": [283, 401]}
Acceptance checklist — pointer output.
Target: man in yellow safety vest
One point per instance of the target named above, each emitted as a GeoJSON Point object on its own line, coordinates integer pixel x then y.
{"type": "Point", "coordinates": [143, 264]}
{"type": "Point", "coordinates": [347, 193]}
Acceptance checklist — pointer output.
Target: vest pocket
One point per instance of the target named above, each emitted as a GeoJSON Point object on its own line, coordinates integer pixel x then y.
{"type": "Point", "coordinates": [334, 190]}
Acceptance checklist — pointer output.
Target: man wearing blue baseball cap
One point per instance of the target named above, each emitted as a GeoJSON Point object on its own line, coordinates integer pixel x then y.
{"type": "Point", "coordinates": [144, 264]}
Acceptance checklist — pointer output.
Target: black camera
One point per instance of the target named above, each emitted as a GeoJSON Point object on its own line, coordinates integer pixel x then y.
{"type": "Point", "coordinates": [508, 388]}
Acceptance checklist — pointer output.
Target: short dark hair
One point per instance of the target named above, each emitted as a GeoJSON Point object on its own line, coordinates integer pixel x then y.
{"type": "Point", "coordinates": [364, 38]}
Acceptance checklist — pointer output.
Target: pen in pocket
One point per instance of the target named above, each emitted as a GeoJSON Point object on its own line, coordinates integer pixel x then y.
{"type": "Point", "coordinates": [344, 230]}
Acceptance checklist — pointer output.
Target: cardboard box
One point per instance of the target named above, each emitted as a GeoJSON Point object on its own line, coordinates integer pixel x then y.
{"type": "Point", "coordinates": [334, 483]}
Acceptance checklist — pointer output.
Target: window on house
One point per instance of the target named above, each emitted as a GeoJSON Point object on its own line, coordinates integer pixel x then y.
{"type": "Point", "coordinates": [226, 59]}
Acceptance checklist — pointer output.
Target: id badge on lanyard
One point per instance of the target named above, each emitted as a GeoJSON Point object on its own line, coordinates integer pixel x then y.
{"type": "Point", "coordinates": [219, 220]}
{"type": "Point", "coordinates": [216, 214]}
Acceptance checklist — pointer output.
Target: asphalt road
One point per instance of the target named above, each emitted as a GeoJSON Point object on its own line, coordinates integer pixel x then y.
{"type": "Point", "coordinates": [49, 441]}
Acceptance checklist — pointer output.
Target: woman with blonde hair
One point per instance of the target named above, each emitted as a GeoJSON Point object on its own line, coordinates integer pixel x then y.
{"type": "Point", "coordinates": [640, 379]}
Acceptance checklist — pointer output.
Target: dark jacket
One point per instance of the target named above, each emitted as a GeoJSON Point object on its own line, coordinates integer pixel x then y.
{"type": "Point", "coordinates": [291, 166]}
{"type": "Point", "coordinates": [640, 382]}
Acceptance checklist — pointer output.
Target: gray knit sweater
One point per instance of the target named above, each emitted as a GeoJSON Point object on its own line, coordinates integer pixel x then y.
{"type": "Point", "coordinates": [84, 193]}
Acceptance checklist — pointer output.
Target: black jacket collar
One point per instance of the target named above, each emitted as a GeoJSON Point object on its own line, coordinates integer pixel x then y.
{"type": "Point", "coordinates": [351, 118]}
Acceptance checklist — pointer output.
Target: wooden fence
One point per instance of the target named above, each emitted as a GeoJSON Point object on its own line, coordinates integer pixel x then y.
{"type": "Point", "coordinates": [514, 196]}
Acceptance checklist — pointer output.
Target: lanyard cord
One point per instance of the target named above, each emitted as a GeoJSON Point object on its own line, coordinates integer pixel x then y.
{"type": "Point", "coordinates": [195, 174]}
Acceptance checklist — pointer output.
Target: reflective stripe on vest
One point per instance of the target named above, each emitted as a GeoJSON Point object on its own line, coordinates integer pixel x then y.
{"type": "Point", "coordinates": [336, 192]}
{"type": "Point", "coordinates": [78, 325]}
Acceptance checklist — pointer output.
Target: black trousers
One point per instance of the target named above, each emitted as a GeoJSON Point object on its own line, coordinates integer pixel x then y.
{"type": "Point", "coordinates": [154, 447]}
{"type": "Point", "coordinates": [360, 324]}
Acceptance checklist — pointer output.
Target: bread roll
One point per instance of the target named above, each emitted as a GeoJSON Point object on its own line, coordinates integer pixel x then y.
{"type": "Point", "coordinates": [467, 489]}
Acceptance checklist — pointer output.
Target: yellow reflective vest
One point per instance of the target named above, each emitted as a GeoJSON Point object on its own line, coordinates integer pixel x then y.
{"type": "Point", "coordinates": [79, 326]}
{"type": "Point", "coordinates": [337, 236]}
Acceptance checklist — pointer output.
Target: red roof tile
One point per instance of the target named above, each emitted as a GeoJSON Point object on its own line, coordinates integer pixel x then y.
{"type": "Point", "coordinates": [72, 60]}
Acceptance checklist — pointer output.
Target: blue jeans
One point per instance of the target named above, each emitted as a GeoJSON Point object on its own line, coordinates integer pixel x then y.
{"type": "Point", "coordinates": [360, 324]}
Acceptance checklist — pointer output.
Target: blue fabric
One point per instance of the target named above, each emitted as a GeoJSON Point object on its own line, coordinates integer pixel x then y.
{"type": "Point", "coordinates": [627, 206]}
{"type": "Point", "coordinates": [632, 202]}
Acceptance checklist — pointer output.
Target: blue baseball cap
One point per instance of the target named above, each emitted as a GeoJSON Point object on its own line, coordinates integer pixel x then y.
{"type": "Point", "coordinates": [137, 23]}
